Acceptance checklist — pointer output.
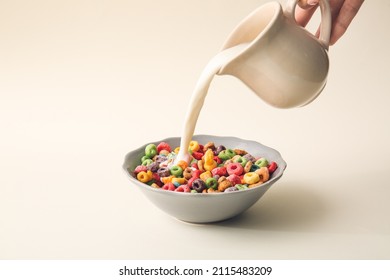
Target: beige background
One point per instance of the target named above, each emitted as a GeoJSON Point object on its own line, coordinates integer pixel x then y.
{"type": "Point", "coordinates": [84, 82]}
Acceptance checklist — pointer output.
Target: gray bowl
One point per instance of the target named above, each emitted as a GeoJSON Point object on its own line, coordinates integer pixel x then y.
{"type": "Point", "coordinates": [212, 207]}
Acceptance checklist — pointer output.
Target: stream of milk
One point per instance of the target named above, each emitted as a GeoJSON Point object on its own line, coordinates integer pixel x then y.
{"type": "Point", "coordinates": [199, 95]}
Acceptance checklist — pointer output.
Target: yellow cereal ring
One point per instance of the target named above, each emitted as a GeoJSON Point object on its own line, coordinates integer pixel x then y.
{"type": "Point", "coordinates": [176, 150]}
{"type": "Point", "coordinates": [181, 181]}
{"type": "Point", "coordinates": [145, 176]}
{"type": "Point", "coordinates": [154, 185]}
{"type": "Point", "coordinates": [194, 146]}
{"type": "Point", "coordinates": [205, 175]}
{"type": "Point", "coordinates": [263, 174]}
{"type": "Point", "coordinates": [200, 165]}
{"type": "Point", "coordinates": [209, 162]}
{"type": "Point", "coordinates": [251, 178]}
{"type": "Point", "coordinates": [167, 180]}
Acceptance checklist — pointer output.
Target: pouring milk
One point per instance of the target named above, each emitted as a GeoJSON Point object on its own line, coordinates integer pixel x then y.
{"type": "Point", "coordinates": [281, 62]}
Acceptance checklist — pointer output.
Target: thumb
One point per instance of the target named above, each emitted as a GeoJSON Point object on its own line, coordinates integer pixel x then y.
{"type": "Point", "coordinates": [307, 4]}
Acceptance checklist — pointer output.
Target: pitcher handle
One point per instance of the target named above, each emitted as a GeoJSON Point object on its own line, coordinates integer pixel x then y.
{"type": "Point", "coordinates": [326, 19]}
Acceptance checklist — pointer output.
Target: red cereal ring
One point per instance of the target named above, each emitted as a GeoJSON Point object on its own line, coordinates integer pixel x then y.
{"type": "Point", "coordinates": [197, 155]}
{"type": "Point", "coordinates": [163, 146]}
{"type": "Point", "coordinates": [221, 171]}
{"type": "Point", "coordinates": [234, 179]}
{"type": "Point", "coordinates": [272, 167]}
{"type": "Point", "coordinates": [234, 168]}
{"type": "Point", "coordinates": [140, 168]}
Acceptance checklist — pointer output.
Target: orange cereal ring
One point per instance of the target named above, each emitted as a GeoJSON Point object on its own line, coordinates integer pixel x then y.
{"type": "Point", "coordinates": [183, 164]}
{"type": "Point", "coordinates": [187, 173]}
{"type": "Point", "coordinates": [222, 186]}
{"type": "Point", "coordinates": [263, 174]}
{"type": "Point", "coordinates": [167, 180]}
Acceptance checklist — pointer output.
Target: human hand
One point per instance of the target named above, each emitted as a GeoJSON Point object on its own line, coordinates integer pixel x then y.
{"type": "Point", "coordinates": [343, 12]}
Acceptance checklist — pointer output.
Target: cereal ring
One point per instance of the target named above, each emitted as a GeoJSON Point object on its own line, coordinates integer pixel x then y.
{"type": "Point", "coordinates": [241, 160]}
{"type": "Point", "coordinates": [255, 185]}
{"type": "Point", "coordinates": [194, 146]}
{"type": "Point", "coordinates": [198, 185]}
{"type": "Point", "coordinates": [234, 179]}
{"type": "Point", "coordinates": [205, 175]}
{"type": "Point", "coordinates": [241, 187]}
{"type": "Point", "coordinates": [272, 167]}
{"type": "Point", "coordinates": [154, 185]}
{"type": "Point", "coordinates": [240, 152]}
{"type": "Point", "coordinates": [234, 168]}
{"type": "Point", "coordinates": [200, 165]}
{"type": "Point", "coordinates": [187, 173]}
{"type": "Point", "coordinates": [145, 176]}
{"type": "Point", "coordinates": [179, 181]}
{"type": "Point", "coordinates": [249, 157]}
{"type": "Point", "coordinates": [263, 174]}
{"type": "Point", "coordinates": [211, 190]}
{"type": "Point", "coordinates": [176, 170]}
{"type": "Point", "coordinates": [163, 146]}
{"type": "Point", "coordinates": [226, 154]}
{"type": "Point", "coordinates": [219, 149]}
{"type": "Point", "coordinates": [247, 167]}
{"type": "Point", "coordinates": [167, 180]}
{"type": "Point", "coordinates": [163, 172]}
{"type": "Point", "coordinates": [251, 178]}
{"type": "Point", "coordinates": [209, 162]}
{"type": "Point", "coordinates": [150, 150]}
{"type": "Point", "coordinates": [212, 183]}
{"type": "Point", "coordinates": [140, 168]}
{"type": "Point", "coordinates": [169, 187]}
{"type": "Point", "coordinates": [147, 162]}
{"type": "Point", "coordinates": [183, 164]}
{"type": "Point", "coordinates": [262, 162]}
{"type": "Point", "coordinates": [221, 171]}
{"type": "Point", "coordinates": [231, 189]}
{"type": "Point", "coordinates": [222, 186]}
{"type": "Point", "coordinates": [181, 189]}
{"type": "Point", "coordinates": [154, 166]}
{"type": "Point", "coordinates": [209, 145]}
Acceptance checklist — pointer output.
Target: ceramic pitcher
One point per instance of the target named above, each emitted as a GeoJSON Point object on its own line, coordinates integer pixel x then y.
{"type": "Point", "coordinates": [283, 63]}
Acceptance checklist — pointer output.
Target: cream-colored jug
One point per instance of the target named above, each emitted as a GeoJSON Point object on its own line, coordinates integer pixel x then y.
{"type": "Point", "coordinates": [283, 64]}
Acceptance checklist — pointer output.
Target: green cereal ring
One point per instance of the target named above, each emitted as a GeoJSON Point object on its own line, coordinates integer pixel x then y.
{"type": "Point", "coordinates": [176, 171]}
{"type": "Point", "coordinates": [212, 183]}
{"type": "Point", "coordinates": [262, 162]}
{"type": "Point", "coordinates": [150, 150]}
{"type": "Point", "coordinates": [144, 158]}
{"type": "Point", "coordinates": [241, 187]}
{"type": "Point", "coordinates": [241, 160]}
{"type": "Point", "coordinates": [147, 162]}
{"type": "Point", "coordinates": [226, 154]}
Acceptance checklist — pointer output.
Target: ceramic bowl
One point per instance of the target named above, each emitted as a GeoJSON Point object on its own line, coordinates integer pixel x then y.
{"type": "Point", "coordinates": [206, 208]}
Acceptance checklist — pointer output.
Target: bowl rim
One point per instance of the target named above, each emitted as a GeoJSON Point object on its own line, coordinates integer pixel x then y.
{"type": "Point", "coordinates": [281, 164]}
